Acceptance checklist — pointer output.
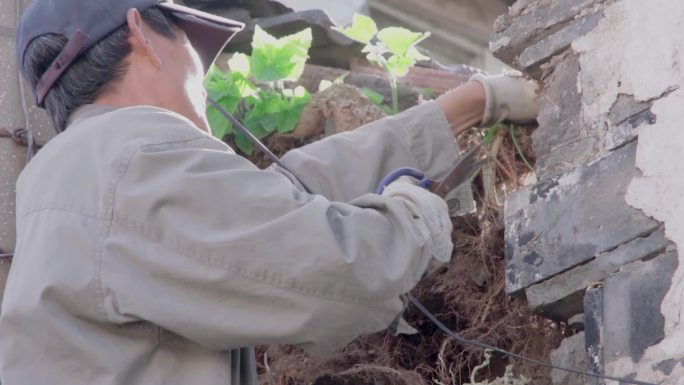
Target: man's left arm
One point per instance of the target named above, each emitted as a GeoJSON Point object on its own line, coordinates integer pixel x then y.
{"type": "Point", "coordinates": [347, 165]}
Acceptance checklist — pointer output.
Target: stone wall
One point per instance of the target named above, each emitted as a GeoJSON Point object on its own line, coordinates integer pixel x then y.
{"type": "Point", "coordinates": [594, 241]}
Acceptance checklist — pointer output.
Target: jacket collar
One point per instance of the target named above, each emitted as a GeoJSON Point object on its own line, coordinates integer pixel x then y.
{"type": "Point", "coordinates": [89, 111]}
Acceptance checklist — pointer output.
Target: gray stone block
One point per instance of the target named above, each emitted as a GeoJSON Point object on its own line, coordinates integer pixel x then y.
{"type": "Point", "coordinates": [666, 366]}
{"type": "Point", "coordinates": [560, 106]}
{"type": "Point", "coordinates": [632, 320]}
{"type": "Point", "coordinates": [560, 297]}
{"type": "Point", "coordinates": [593, 331]}
{"type": "Point", "coordinates": [626, 117]}
{"type": "Point", "coordinates": [563, 141]}
{"type": "Point", "coordinates": [568, 220]}
{"type": "Point", "coordinates": [533, 56]}
{"type": "Point", "coordinates": [570, 354]}
{"type": "Point", "coordinates": [567, 157]}
{"type": "Point", "coordinates": [532, 22]}
{"type": "Point", "coordinates": [625, 107]}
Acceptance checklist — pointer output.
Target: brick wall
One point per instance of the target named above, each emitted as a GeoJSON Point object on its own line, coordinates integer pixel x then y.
{"type": "Point", "coordinates": [594, 241]}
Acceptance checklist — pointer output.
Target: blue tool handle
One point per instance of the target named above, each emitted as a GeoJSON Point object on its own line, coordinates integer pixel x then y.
{"type": "Point", "coordinates": [404, 171]}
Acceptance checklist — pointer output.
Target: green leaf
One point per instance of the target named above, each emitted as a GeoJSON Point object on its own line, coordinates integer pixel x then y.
{"type": "Point", "coordinates": [429, 92]}
{"type": "Point", "coordinates": [214, 83]}
{"type": "Point", "coordinates": [216, 90]}
{"type": "Point", "coordinates": [490, 133]}
{"type": "Point", "coordinates": [269, 122]}
{"type": "Point", "coordinates": [374, 53]}
{"type": "Point", "coordinates": [218, 123]}
{"type": "Point", "coordinates": [362, 29]}
{"type": "Point", "coordinates": [274, 104]}
{"type": "Point", "coordinates": [287, 120]}
{"type": "Point", "coordinates": [375, 97]}
{"type": "Point", "coordinates": [240, 63]}
{"type": "Point", "coordinates": [399, 66]}
{"type": "Point", "coordinates": [243, 143]}
{"type": "Point", "coordinates": [279, 59]}
{"type": "Point", "coordinates": [387, 110]}
{"type": "Point", "coordinates": [414, 54]}
{"type": "Point", "coordinates": [243, 87]}
{"type": "Point", "coordinates": [398, 40]}
{"type": "Point", "coordinates": [301, 96]}
{"type": "Point", "coordinates": [220, 126]}
{"type": "Point", "coordinates": [253, 122]}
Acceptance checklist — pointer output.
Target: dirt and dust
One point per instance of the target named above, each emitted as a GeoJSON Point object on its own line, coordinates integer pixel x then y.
{"type": "Point", "coordinates": [467, 294]}
{"type": "Point", "coordinates": [337, 109]}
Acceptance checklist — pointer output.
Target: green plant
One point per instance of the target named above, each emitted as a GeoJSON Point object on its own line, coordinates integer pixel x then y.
{"type": "Point", "coordinates": [377, 99]}
{"type": "Point", "coordinates": [491, 132]}
{"type": "Point", "coordinates": [392, 48]}
{"type": "Point", "coordinates": [269, 107]}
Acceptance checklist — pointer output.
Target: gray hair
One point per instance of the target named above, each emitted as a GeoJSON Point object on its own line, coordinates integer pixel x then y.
{"type": "Point", "coordinates": [92, 73]}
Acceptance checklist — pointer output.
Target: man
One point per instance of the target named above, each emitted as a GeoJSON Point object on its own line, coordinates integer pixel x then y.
{"type": "Point", "coordinates": [148, 252]}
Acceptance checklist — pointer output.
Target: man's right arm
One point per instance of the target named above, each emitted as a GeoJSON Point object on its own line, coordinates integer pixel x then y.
{"type": "Point", "coordinates": [208, 246]}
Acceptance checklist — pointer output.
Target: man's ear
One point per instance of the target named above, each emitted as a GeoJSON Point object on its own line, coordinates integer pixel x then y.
{"type": "Point", "coordinates": [138, 39]}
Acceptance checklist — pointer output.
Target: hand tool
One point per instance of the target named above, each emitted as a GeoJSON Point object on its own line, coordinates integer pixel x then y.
{"type": "Point", "coordinates": [465, 168]}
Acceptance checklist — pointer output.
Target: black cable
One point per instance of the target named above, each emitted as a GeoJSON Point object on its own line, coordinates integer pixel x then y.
{"type": "Point", "coordinates": [261, 146]}
{"type": "Point", "coordinates": [413, 299]}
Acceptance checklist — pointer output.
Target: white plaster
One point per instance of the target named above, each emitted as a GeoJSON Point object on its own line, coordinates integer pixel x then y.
{"type": "Point", "coordinates": [634, 50]}
{"type": "Point", "coordinates": [660, 157]}
{"type": "Point", "coordinates": [637, 50]}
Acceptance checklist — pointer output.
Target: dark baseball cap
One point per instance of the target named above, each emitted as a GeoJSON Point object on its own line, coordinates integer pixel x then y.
{"type": "Point", "coordinates": [85, 22]}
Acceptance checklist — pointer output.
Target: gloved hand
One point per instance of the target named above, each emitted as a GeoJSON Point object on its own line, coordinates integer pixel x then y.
{"type": "Point", "coordinates": [511, 97]}
{"type": "Point", "coordinates": [431, 208]}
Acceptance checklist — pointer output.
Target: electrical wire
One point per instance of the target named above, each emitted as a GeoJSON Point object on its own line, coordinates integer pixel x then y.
{"type": "Point", "coordinates": [414, 300]}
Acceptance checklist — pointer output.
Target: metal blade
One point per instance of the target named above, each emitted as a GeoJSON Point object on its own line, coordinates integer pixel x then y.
{"type": "Point", "coordinates": [464, 169]}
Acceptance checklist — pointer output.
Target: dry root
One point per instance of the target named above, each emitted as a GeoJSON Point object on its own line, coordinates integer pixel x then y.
{"type": "Point", "coordinates": [468, 295]}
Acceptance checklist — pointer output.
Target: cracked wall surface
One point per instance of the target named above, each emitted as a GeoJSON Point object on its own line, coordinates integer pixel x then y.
{"type": "Point", "coordinates": [597, 236]}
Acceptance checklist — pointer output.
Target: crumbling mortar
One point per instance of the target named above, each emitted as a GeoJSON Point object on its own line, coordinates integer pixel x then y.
{"type": "Point", "coordinates": [644, 258]}
{"type": "Point", "coordinates": [643, 235]}
{"type": "Point", "coordinates": [626, 143]}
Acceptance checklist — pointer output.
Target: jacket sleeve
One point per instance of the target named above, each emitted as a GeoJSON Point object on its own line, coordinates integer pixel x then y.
{"type": "Point", "coordinates": [206, 245]}
{"type": "Point", "coordinates": [347, 165]}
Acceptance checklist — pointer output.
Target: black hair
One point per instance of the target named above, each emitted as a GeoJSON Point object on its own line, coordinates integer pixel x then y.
{"type": "Point", "coordinates": [90, 74]}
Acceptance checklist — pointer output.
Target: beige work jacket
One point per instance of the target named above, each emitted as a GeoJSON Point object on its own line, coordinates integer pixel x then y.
{"type": "Point", "coordinates": [148, 252]}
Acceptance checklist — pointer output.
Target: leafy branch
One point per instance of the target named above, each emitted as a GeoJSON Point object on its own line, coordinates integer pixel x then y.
{"type": "Point", "coordinates": [269, 107]}
{"type": "Point", "coordinates": [392, 48]}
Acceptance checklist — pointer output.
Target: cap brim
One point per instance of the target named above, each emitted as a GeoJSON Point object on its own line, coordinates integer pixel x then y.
{"type": "Point", "coordinates": [207, 33]}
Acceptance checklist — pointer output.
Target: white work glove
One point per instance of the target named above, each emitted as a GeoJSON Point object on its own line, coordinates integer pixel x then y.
{"type": "Point", "coordinates": [511, 97]}
{"type": "Point", "coordinates": [432, 209]}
